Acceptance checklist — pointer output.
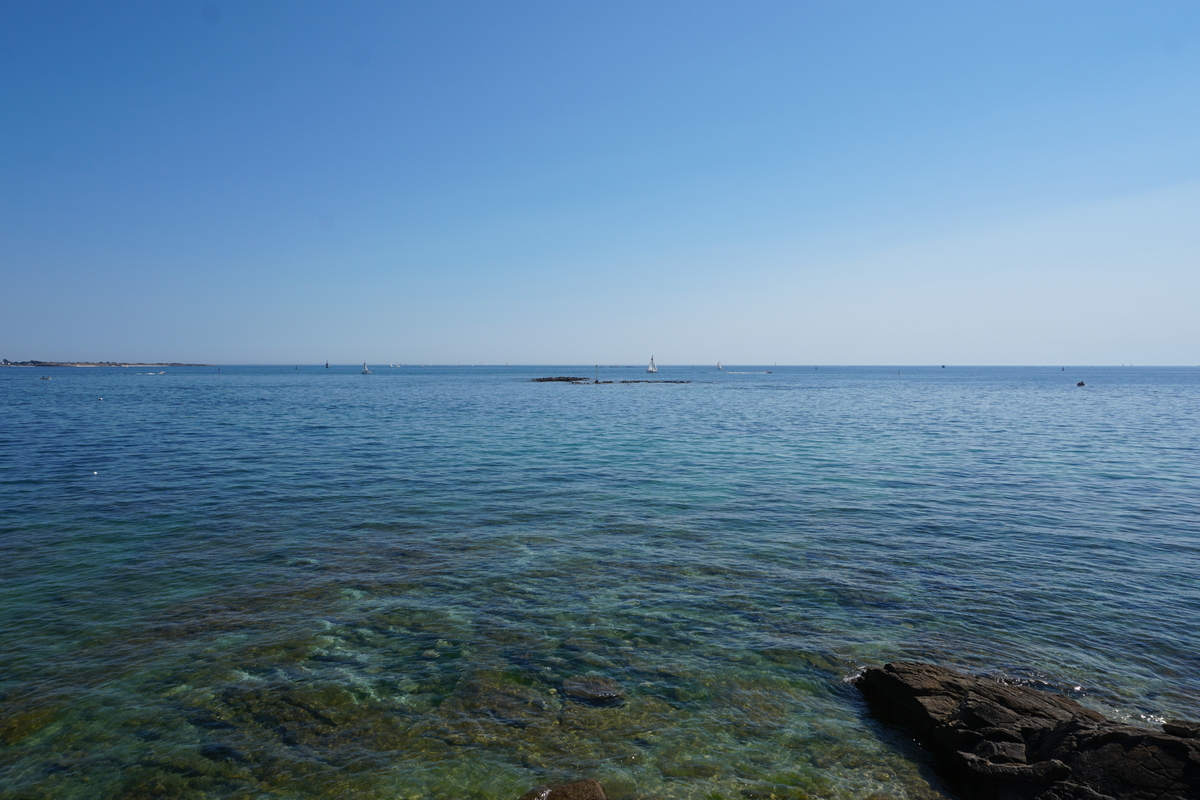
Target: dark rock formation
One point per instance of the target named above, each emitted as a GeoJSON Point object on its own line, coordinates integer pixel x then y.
{"type": "Point", "coordinates": [1184, 730]}
{"type": "Point", "coordinates": [559, 378]}
{"type": "Point", "coordinates": [1004, 742]}
{"type": "Point", "coordinates": [580, 790]}
{"type": "Point", "coordinates": [594, 690]}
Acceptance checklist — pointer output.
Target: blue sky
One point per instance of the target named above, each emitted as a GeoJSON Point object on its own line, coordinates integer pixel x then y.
{"type": "Point", "coordinates": [557, 182]}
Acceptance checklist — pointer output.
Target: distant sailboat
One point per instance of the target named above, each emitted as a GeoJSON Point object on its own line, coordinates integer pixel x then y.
{"type": "Point", "coordinates": [365, 370]}
{"type": "Point", "coordinates": [651, 368]}
{"type": "Point", "coordinates": [326, 365]}
{"type": "Point", "coordinates": [718, 365]}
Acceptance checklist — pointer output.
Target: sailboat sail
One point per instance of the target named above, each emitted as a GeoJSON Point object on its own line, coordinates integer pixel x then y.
{"type": "Point", "coordinates": [718, 365]}
{"type": "Point", "coordinates": [365, 370]}
{"type": "Point", "coordinates": [651, 368]}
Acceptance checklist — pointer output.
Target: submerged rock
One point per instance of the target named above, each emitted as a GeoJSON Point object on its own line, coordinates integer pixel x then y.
{"type": "Point", "coordinates": [216, 751]}
{"type": "Point", "coordinates": [594, 690]}
{"type": "Point", "coordinates": [579, 790]}
{"type": "Point", "coordinates": [1003, 742]}
{"type": "Point", "coordinates": [23, 719]}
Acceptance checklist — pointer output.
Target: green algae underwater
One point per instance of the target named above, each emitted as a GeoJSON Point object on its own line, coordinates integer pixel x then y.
{"type": "Point", "coordinates": [309, 587]}
{"type": "Point", "coordinates": [391, 693]}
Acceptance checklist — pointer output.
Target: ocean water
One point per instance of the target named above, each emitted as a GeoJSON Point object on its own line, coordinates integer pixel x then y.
{"type": "Point", "coordinates": [272, 582]}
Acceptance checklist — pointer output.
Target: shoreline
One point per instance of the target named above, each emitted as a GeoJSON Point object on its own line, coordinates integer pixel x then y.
{"type": "Point", "coordinates": [39, 364]}
{"type": "Point", "coordinates": [1009, 741]}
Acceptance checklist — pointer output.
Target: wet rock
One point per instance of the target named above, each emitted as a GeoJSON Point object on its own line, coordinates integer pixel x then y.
{"type": "Point", "coordinates": [1184, 730]}
{"type": "Point", "coordinates": [1004, 742]}
{"type": "Point", "coordinates": [579, 790]}
{"type": "Point", "coordinates": [595, 690]}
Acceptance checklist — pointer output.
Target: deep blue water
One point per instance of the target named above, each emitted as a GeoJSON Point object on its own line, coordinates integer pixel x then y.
{"type": "Point", "coordinates": [272, 582]}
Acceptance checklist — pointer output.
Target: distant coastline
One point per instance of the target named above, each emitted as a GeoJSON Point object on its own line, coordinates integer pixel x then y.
{"type": "Point", "coordinates": [7, 363]}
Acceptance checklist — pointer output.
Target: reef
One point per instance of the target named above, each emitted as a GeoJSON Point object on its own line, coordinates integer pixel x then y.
{"type": "Point", "coordinates": [589, 381]}
{"type": "Point", "coordinates": [998, 741]}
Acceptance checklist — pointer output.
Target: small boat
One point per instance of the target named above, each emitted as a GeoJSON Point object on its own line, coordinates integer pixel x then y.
{"type": "Point", "coordinates": [718, 365]}
{"type": "Point", "coordinates": [651, 368]}
{"type": "Point", "coordinates": [326, 365]}
{"type": "Point", "coordinates": [365, 370]}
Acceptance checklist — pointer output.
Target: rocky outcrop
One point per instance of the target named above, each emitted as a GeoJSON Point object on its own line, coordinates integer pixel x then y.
{"type": "Point", "coordinates": [580, 790]}
{"type": "Point", "coordinates": [594, 690]}
{"type": "Point", "coordinates": [1002, 742]}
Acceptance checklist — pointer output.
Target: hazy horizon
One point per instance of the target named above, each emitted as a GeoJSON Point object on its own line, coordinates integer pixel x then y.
{"type": "Point", "coordinates": [726, 365]}
{"type": "Point", "coordinates": [1001, 184]}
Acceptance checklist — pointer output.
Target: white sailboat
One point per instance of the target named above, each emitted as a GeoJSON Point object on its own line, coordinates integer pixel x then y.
{"type": "Point", "coordinates": [365, 370]}
{"type": "Point", "coordinates": [718, 365]}
{"type": "Point", "coordinates": [651, 368]}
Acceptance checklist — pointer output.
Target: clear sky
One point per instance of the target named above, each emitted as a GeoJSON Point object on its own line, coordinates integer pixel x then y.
{"type": "Point", "coordinates": [596, 182]}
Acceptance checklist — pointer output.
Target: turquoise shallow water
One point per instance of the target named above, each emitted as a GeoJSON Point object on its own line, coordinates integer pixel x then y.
{"type": "Point", "coordinates": [314, 583]}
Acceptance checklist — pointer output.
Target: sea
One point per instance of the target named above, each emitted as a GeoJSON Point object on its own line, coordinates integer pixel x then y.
{"type": "Point", "coordinates": [307, 582]}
